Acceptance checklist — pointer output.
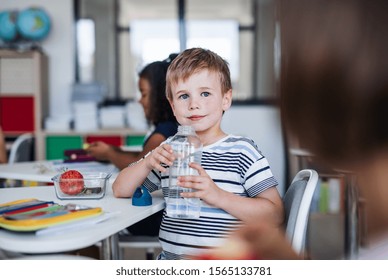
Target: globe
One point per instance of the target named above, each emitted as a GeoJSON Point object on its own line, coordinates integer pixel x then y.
{"type": "Point", "coordinates": [33, 24]}
{"type": "Point", "coordinates": [8, 30]}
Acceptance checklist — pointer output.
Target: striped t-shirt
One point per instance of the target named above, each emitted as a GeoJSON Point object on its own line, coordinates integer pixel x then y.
{"type": "Point", "coordinates": [236, 165]}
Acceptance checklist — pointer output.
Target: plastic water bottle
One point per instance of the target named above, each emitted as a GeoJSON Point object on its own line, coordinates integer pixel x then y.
{"type": "Point", "coordinates": [187, 148]}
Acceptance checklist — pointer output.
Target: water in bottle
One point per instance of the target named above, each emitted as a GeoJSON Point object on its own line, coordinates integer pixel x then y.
{"type": "Point", "coordinates": [187, 148]}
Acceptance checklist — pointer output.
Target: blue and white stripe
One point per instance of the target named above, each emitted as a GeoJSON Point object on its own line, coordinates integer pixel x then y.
{"type": "Point", "coordinates": [236, 165]}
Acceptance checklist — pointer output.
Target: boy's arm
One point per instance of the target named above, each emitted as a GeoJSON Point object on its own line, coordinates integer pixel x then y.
{"type": "Point", "coordinates": [130, 178]}
{"type": "Point", "coordinates": [266, 206]}
{"type": "Point", "coordinates": [134, 175]}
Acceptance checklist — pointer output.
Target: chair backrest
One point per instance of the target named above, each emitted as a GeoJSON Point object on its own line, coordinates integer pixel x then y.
{"type": "Point", "coordinates": [22, 149]}
{"type": "Point", "coordinates": [297, 202]}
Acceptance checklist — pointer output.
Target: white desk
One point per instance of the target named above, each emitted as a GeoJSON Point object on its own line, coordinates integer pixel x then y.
{"type": "Point", "coordinates": [43, 171]}
{"type": "Point", "coordinates": [105, 231]}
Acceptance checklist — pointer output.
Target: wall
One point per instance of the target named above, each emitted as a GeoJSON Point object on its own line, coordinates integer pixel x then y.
{"type": "Point", "coordinates": [59, 47]}
{"type": "Point", "coordinates": [102, 11]}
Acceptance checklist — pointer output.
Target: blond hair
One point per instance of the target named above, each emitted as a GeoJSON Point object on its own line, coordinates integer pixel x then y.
{"type": "Point", "coordinates": [192, 61]}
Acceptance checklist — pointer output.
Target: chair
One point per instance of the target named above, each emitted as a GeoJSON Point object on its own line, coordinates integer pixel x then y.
{"type": "Point", "coordinates": [150, 243]}
{"type": "Point", "coordinates": [144, 234]}
{"type": "Point", "coordinates": [22, 149]}
{"type": "Point", "coordinates": [297, 202]}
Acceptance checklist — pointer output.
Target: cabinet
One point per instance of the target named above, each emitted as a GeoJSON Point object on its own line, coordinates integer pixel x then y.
{"type": "Point", "coordinates": [56, 142]}
{"type": "Point", "coordinates": [24, 102]}
{"type": "Point", "coordinates": [24, 94]}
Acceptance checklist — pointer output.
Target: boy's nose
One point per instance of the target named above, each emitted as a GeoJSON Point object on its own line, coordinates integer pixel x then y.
{"type": "Point", "coordinates": [194, 104]}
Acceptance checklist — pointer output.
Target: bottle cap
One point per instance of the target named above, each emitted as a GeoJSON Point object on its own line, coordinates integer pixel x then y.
{"type": "Point", "coordinates": [141, 197]}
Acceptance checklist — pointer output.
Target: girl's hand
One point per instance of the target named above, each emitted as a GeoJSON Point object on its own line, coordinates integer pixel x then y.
{"type": "Point", "coordinates": [100, 150]}
{"type": "Point", "coordinates": [160, 155]}
{"type": "Point", "coordinates": [203, 186]}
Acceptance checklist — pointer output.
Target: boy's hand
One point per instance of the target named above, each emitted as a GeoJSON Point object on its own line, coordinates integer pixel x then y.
{"type": "Point", "coordinates": [202, 184]}
{"type": "Point", "coordinates": [160, 155]}
{"type": "Point", "coordinates": [266, 242]}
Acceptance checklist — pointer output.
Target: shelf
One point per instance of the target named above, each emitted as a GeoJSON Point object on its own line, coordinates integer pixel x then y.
{"type": "Point", "coordinates": [117, 131]}
{"type": "Point", "coordinates": [57, 143]}
{"type": "Point", "coordinates": [24, 94]}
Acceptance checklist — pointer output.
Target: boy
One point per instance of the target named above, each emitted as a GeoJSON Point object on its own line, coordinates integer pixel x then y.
{"type": "Point", "coordinates": [235, 183]}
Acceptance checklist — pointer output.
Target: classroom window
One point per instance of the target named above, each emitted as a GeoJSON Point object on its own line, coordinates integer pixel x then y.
{"type": "Point", "coordinates": [148, 30]}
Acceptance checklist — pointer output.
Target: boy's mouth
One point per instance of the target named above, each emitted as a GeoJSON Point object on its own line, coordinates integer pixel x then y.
{"type": "Point", "coordinates": [195, 118]}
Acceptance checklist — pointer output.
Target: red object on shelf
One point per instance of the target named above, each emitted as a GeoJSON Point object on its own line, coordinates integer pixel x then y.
{"type": "Point", "coordinates": [17, 113]}
{"type": "Point", "coordinates": [113, 140]}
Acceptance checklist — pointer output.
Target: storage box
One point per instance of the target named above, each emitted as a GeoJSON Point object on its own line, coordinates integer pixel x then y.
{"type": "Point", "coordinates": [92, 186]}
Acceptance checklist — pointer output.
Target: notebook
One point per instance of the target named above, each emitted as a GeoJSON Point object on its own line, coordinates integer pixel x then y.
{"type": "Point", "coordinates": [33, 214]}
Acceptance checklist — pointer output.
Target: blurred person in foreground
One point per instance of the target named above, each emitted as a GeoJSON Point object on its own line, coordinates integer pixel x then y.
{"type": "Point", "coordinates": [334, 99]}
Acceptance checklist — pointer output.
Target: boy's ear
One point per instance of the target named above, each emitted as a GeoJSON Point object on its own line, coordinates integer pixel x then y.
{"type": "Point", "coordinates": [172, 105]}
{"type": "Point", "coordinates": [227, 100]}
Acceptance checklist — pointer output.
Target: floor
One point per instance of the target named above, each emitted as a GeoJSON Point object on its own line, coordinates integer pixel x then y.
{"type": "Point", "coordinates": [137, 254]}
{"type": "Point", "coordinates": [125, 253]}
{"type": "Point", "coordinates": [326, 237]}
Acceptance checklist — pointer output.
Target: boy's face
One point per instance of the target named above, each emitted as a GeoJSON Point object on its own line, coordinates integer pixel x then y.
{"type": "Point", "coordinates": [199, 102]}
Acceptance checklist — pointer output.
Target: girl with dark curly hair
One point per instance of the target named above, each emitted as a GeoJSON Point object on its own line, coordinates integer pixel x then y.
{"type": "Point", "coordinates": [157, 110]}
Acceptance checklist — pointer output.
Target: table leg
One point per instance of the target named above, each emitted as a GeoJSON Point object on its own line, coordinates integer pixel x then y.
{"type": "Point", "coordinates": [351, 218]}
{"type": "Point", "coordinates": [110, 248]}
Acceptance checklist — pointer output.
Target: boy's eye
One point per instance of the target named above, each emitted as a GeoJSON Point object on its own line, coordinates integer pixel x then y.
{"type": "Point", "coordinates": [205, 94]}
{"type": "Point", "coordinates": [183, 96]}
